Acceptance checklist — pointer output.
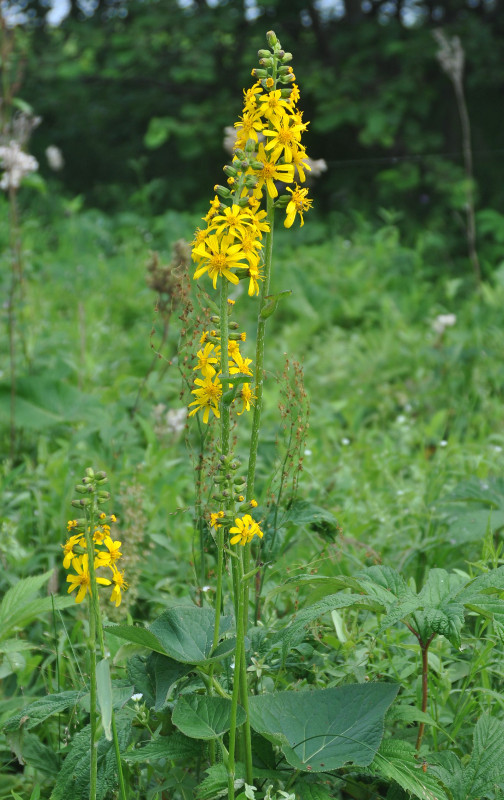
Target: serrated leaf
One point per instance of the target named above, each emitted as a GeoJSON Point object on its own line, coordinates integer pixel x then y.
{"type": "Point", "coordinates": [166, 673]}
{"type": "Point", "coordinates": [141, 674]}
{"type": "Point", "coordinates": [486, 765]}
{"type": "Point", "coordinates": [173, 747]}
{"type": "Point", "coordinates": [40, 710]}
{"type": "Point", "coordinates": [396, 761]}
{"type": "Point", "coordinates": [327, 728]}
{"type": "Point", "coordinates": [202, 717]}
{"type": "Point", "coordinates": [73, 778]}
{"type": "Point", "coordinates": [312, 791]}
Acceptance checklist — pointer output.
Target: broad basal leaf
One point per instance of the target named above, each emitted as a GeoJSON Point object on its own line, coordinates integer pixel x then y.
{"type": "Point", "coordinates": [327, 728]}
{"type": "Point", "coordinates": [486, 766]}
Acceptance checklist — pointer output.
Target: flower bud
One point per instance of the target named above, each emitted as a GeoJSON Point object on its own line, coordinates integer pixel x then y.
{"type": "Point", "coordinates": [83, 489]}
{"type": "Point", "coordinates": [90, 472]}
{"type": "Point", "coordinates": [266, 62]}
{"type": "Point", "coordinates": [234, 465]}
{"type": "Point", "coordinates": [230, 171]}
{"type": "Point", "coordinates": [218, 497]}
{"type": "Point", "coordinates": [263, 54]}
{"type": "Point", "coordinates": [103, 495]}
{"type": "Point", "coordinates": [81, 503]}
{"type": "Point", "coordinates": [233, 326]}
{"type": "Point", "coordinates": [280, 53]}
{"type": "Point", "coordinates": [286, 58]}
{"type": "Point", "coordinates": [222, 191]}
{"type": "Point", "coordinates": [250, 182]}
{"type": "Point", "coordinates": [259, 73]}
{"type": "Point", "coordinates": [271, 38]}
{"type": "Point", "coordinates": [243, 202]}
{"type": "Point", "coordinates": [239, 481]}
{"type": "Point", "coordinates": [214, 318]}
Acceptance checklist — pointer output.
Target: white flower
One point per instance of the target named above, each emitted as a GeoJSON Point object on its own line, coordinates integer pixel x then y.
{"type": "Point", "coordinates": [16, 165]}
{"type": "Point", "coordinates": [54, 157]}
{"type": "Point", "coordinates": [443, 321]}
{"type": "Point", "coordinates": [136, 697]}
{"type": "Point", "coordinates": [176, 419]}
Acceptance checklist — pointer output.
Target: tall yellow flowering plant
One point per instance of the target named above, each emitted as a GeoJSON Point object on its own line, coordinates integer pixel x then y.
{"type": "Point", "coordinates": [237, 244]}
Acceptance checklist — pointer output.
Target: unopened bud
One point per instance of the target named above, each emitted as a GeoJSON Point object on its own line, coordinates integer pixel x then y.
{"type": "Point", "coordinates": [286, 58]}
{"type": "Point", "coordinates": [104, 495]}
{"type": "Point", "coordinates": [233, 325]}
{"type": "Point", "coordinates": [90, 472]}
{"type": "Point", "coordinates": [215, 318]}
{"type": "Point", "coordinates": [222, 191]}
{"type": "Point", "coordinates": [230, 171]}
{"type": "Point", "coordinates": [266, 62]}
{"type": "Point", "coordinates": [271, 38]}
{"type": "Point", "coordinates": [234, 465]}
{"type": "Point", "coordinates": [83, 489]}
{"type": "Point", "coordinates": [263, 54]}
{"type": "Point", "coordinates": [81, 503]}
{"type": "Point", "coordinates": [259, 73]}
{"type": "Point", "coordinates": [101, 476]}
{"type": "Point", "coordinates": [239, 481]}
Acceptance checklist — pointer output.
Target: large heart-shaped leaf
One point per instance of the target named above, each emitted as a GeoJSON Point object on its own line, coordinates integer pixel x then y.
{"type": "Point", "coordinates": [202, 717]}
{"type": "Point", "coordinates": [184, 633]}
{"type": "Point", "coordinates": [327, 728]}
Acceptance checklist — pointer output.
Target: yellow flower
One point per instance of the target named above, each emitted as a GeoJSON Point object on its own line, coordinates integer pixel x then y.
{"type": "Point", "coordinates": [300, 164]}
{"type": "Point", "coordinates": [71, 524]}
{"type": "Point", "coordinates": [245, 530]}
{"type": "Point", "coordinates": [235, 219]}
{"type": "Point", "coordinates": [271, 172]}
{"type": "Point", "coordinates": [247, 398]}
{"type": "Point", "coordinates": [255, 276]}
{"type": "Point", "coordinates": [220, 255]}
{"type": "Point", "coordinates": [250, 97]}
{"type": "Point", "coordinates": [68, 550]}
{"type": "Point", "coordinates": [82, 579]}
{"type": "Point", "coordinates": [284, 139]}
{"type": "Point", "coordinates": [214, 518]}
{"type": "Point", "coordinates": [240, 365]}
{"type": "Point", "coordinates": [205, 361]}
{"type": "Point", "coordinates": [119, 584]}
{"type": "Point", "coordinates": [247, 128]}
{"type": "Point", "coordinates": [214, 207]}
{"type": "Point", "coordinates": [113, 554]}
{"type": "Point", "coordinates": [208, 397]}
{"type": "Point", "coordinates": [273, 105]}
{"type": "Point", "coordinates": [297, 205]}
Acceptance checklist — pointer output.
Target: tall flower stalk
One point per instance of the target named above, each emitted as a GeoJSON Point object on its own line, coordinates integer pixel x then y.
{"type": "Point", "coordinates": [88, 551]}
{"type": "Point", "coordinates": [237, 245]}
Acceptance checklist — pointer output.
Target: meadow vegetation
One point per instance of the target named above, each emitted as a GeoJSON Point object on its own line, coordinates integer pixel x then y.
{"type": "Point", "coordinates": [375, 597]}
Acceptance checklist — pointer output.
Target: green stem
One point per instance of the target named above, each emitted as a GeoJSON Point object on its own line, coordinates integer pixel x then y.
{"type": "Point", "coordinates": [259, 362]}
{"type": "Point", "coordinates": [95, 623]}
{"type": "Point", "coordinates": [236, 683]}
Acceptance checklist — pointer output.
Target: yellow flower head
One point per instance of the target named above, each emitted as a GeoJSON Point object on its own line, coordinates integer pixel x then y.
{"type": "Point", "coordinates": [219, 255]}
{"type": "Point", "coordinates": [297, 205]}
{"type": "Point", "coordinates": [111, 555]}
{"type": "Point", "coordinates": [82, 578]}
{"type": "Point", "coordinates": [119, 585]}
{"type": "Point", "coordinates": [214, 519]}
{"type": "Point", "coordinates": [68, 550]}
{"type": "Point", "coordinates": [208, 397]}
{"type": "Point", "coordinates": [206, 359]}
{"type": "Point", "coordinates": [245, 529]}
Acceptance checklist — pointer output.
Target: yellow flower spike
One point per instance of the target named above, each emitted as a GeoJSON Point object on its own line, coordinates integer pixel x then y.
{"type": "Point", "coordinates": [245, 529]}
{"type": "Point", "coordinates": [82, 578]}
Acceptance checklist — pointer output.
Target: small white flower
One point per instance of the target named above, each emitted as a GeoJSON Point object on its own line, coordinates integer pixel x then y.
{"type": "Point", "coordinates": [443, 321]}
{"type": "Point", "coordinates": [205, 588]}
{"type": "Point", "coordinates": [137, 697]}
{"type": "Point", "coordinates": [307, 452]}
{"type": "Point", "coordinates": [443, 443]}
{"type": "Point", "coordinates": [497, 448]}
{"type": "Point", "coordinates": [16, 165]}
{"type": "Point", "coordinates": [54, 157]}
{"type": "Point", "coordinates": [345, 441]}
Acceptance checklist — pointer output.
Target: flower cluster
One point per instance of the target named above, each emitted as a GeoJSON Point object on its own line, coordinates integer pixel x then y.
{"type": "Point", "coordinates": [268, 150]}
{"type": "Point", "coordinates": [209, 391]}
{"type": "Point", "coordinates": [245, 529]}
{"type": "Point", "coordinates": [16, 165]}
{"type": "Point", "coordinates": [107, 553]}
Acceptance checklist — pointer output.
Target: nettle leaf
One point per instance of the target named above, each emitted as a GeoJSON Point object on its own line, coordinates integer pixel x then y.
{"type": "Point", "coordinates": [40, 710]}
{"type": "Point", "coordinates": [486, 765]}
{"type": "Point", "coordinates": [294, 633]}
{"type": "Point", "coordinates": [442, 612]}
{"type": "Point", "coordinates": [202, 717]}
{"type": "Point", "coordinates": [396, 761]}
{"type": "Point", "coordinates": [172, 748]}
{"type": "Point", "coordinates": [327, 728]}
{"type": "Point", "coordinates": [447, 767]}
{"type": "Point", "coordinates": [474, 525]}
{"type": "Point", "coordinates": [184, 633]}
{"type": "Point", "coordinates": [385, 585]}
{"type": "Point", "coordinates": [73, 778]}
{"type": "Point", "coordinates": [313, 791]}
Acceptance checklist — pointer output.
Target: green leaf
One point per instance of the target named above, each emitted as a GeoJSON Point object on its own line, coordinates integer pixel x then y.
{"type": "Point", "coordinates": [312, 791]}
{"type": "Point", "coordinates": [486, 765]}
{"type": "Point", "coordinates": [104, 692]}
{"type": "Point", "coordinates": [141, 674]}
{"type": "Point", "coordinates": [474, 525]}
{"type": "Point", "coordinates": [73, 778]}
{"type": "Point", "coordinates": [202, 717]}
{"type": "Point", "coordinates": [159, 131]}
{"type": "Point", "coordinates": [40, 710]}
{"type": "Point", "coordinates": [17, 609]}
{"type": "Point", "coordinates": [184, 633]}
{"type": "Point", "coordinates": [166, 673]}
{"type": "Point", "coordinates": [38, 756]}
{"type": "Point", "coordinates": [327, 728]}
{"type": "Point", "coordinates": [396, 761]}
{"type": "Point", "coordinates": [443, 613]}
{"type": "Point", "coordinates": [174, 747]}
